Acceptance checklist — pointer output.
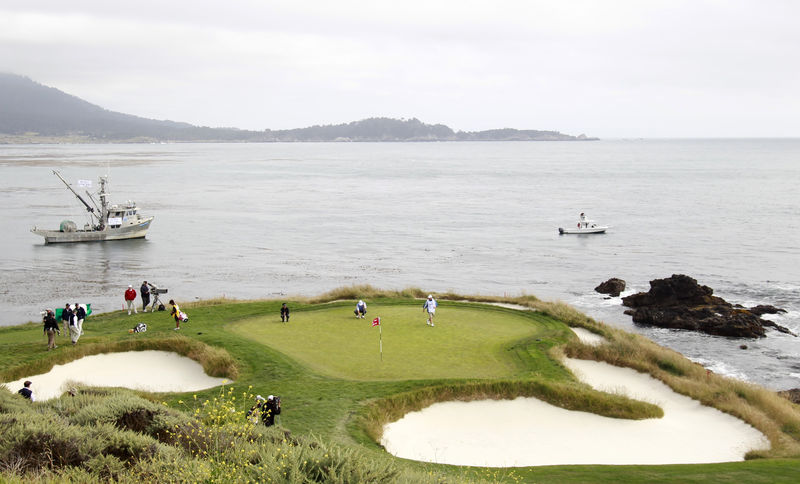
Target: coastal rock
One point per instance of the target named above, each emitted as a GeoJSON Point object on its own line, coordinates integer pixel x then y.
{"type": "Point", "coordinates": [679, 302]}
{"type": "Point", "coordinates": [611, 287]}
{"type": "Point", "coordinates": [792, 395]}
{"type": "Point", "coordinates": [766, 309]}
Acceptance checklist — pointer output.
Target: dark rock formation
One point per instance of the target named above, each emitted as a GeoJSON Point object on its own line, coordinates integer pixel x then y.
{"type": "Point", "coordinates": [793, 395]}
{"type": "Point", "coordinates": [611, 287]}
{"type": "Point", "coordinates": [679, 302]}
{"type": "Point", "coordinates": [766, 309]}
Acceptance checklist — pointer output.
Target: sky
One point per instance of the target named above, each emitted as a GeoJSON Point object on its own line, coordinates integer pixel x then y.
{"type": "Point", "coordinates": [612, 68]}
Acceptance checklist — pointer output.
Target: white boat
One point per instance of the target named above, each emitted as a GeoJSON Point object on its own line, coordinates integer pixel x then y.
{"type": "Point", "coordinates": [115, 222]}
{"type": "Point", "coordinates": [584, 226]}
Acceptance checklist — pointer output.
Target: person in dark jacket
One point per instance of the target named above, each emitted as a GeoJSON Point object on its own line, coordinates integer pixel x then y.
{"type": "Point", "coordinates": [266, 409]}
{"type": "Point", "coordinates": [26, 391]}
{"type": "Point", "coordinates": [50, 329]}
{"type": "Point", "coordinates": [80, 315]}
{"type": "Point", "coordinates": [271, 408]}
{"type": "Point", "coordinates": [145, 292]}
{"type": "Point", "coordinates": [285, 313]}
{"type": "Point", "coordinates": [67, 314]}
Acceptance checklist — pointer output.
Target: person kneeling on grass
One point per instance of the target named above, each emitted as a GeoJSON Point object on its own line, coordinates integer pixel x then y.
{"type": "Point", "coordinates": [361, 309]}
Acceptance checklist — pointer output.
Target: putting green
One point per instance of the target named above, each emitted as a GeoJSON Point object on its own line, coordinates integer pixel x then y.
{"type": "Point", "coordinates": [468, 341]}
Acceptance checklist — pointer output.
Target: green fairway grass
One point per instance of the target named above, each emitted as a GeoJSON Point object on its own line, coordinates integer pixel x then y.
{"type": "Point", "coordinates": [466, 342]}
{"type": "Point", "coordinates": [326, 366]}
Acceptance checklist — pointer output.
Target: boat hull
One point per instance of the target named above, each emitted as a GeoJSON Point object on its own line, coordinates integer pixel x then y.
{"type": "Point", "coordinates": [134, 231]}
{"type": "Point", "coordinates": [588, 230]}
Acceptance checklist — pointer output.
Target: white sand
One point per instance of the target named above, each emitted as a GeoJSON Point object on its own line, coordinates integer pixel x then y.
{"type": "Point", "coordinates": [529, 432]}
{"type": "Point", "coordinates": [587, 337]}
{"type": "Point", "coordinates": [154, 371]}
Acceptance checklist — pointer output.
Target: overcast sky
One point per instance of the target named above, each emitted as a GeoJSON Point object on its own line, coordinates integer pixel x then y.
{"type": "Point", "coordinates": [613, 68]}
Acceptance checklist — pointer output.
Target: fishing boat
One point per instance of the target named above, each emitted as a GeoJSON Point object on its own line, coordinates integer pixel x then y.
{"type": "Point", "coordinates": [108, 222]}
{"type": "Point", "coordinates": [585, 226]}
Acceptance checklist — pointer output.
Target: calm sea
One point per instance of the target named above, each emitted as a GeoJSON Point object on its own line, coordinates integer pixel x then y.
{"type": "Point", "coordinates": [276, 220]}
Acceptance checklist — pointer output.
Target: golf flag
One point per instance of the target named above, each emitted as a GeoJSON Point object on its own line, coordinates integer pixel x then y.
{"type": "Point", "coordinates": [377, 322]}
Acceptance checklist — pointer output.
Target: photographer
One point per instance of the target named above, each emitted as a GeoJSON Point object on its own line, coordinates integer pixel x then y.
{"type": "Point", "coordinates": [272, 408]}
{"type": "Point", "coordinates": [50, 328]}
{"type": "Point", "coordinates": [267, 409]}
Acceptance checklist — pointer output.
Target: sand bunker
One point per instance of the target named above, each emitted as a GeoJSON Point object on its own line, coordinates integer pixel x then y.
{"type": "Point", "coordinates": [529, 432]}
{"type": "Point", "coordinates": [153, 371]}
{"type": "Point", "coordinates": [587, 337]}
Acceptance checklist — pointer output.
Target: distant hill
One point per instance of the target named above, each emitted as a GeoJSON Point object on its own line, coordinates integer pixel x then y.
{"type": "Point", "coordinates": [33, 113]}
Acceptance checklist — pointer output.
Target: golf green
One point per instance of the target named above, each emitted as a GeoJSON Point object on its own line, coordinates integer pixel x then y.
{"type": "Point", "coordinates": [466, 342]}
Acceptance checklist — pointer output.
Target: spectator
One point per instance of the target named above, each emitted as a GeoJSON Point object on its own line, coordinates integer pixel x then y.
{"type": "Point", "coordinates": [130, 297]}
{"type": "Point", "coordinates": [80, 315]}
{"type": "Point", "coordinates": [26, 391]}
{"type": "Point", "coordinates": [51, 328]}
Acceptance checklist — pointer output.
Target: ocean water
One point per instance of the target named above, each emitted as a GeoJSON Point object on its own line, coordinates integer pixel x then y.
{"type": "Point", "coordinates": [277, 220]}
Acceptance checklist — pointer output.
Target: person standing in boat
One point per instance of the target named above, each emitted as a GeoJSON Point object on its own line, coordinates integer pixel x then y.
{"type": "Point", "coordinates": [145, 292]}
{"type": "Point", "coordinates": [582, 222]}
{"type": "Point", "coordinates": [130, 297]}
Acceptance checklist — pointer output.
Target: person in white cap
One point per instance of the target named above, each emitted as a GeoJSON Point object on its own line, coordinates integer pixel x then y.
{"type": "Point", "coordinates": [430, 306]}
{"type": "Point", "coordinates": [361, 309]}
{"type": "Point", "coordinates": [252, 415]}
{"type": "Point", "coordinates": [271, 408]}
{"type": "Point", "coordinates": [130, 297]}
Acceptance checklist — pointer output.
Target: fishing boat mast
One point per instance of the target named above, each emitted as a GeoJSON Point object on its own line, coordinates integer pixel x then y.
{"type": "Point", "coordinates": [103, 203]}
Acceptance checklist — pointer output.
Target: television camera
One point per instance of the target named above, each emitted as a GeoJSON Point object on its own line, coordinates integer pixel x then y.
{"type": "Point", "coordinates": [155, 291]}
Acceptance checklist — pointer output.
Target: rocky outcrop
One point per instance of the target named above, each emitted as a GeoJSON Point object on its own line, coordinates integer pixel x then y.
{"type": "Point", "coordinates": [679, 302]}
{"type": "Point", "coordinates": [792, 395]}
{"type": "Point", "coordinates": [766, 309]}
{"type": "Point", "coordinates": [612, 287]}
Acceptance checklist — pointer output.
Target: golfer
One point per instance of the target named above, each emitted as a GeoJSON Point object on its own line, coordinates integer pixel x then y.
{"type": "Point", "coordinates": [360, 310]}
{"type": "Point", "coordinates": [430, 306]}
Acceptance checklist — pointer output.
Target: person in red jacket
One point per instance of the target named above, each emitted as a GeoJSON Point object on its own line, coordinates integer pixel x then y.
{"type": "Point", "coordinates": [130, 297]}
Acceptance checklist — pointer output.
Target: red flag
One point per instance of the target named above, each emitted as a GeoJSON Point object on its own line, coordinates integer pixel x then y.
{"type": "Point", "coordinates": [376, 322]}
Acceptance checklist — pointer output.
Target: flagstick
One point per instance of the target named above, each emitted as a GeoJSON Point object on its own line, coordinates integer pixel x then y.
{"type": "Point", "coordinates": [380, 337]}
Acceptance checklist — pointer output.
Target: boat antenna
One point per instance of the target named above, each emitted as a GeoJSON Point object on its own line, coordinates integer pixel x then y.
{"type": "Point", "coordinates": [89, 208]}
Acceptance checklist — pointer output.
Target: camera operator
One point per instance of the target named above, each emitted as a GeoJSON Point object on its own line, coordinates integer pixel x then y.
{"type": "Point", "coordinates": [145, 293]}
{"type": "Point", "coordinates": [273, 408]}
{"type": "Point", "coordinates": [268, 409]}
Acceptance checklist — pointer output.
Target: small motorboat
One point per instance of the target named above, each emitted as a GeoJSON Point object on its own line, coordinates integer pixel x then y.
{"type": "Point", "coordinates": [585, 226]}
